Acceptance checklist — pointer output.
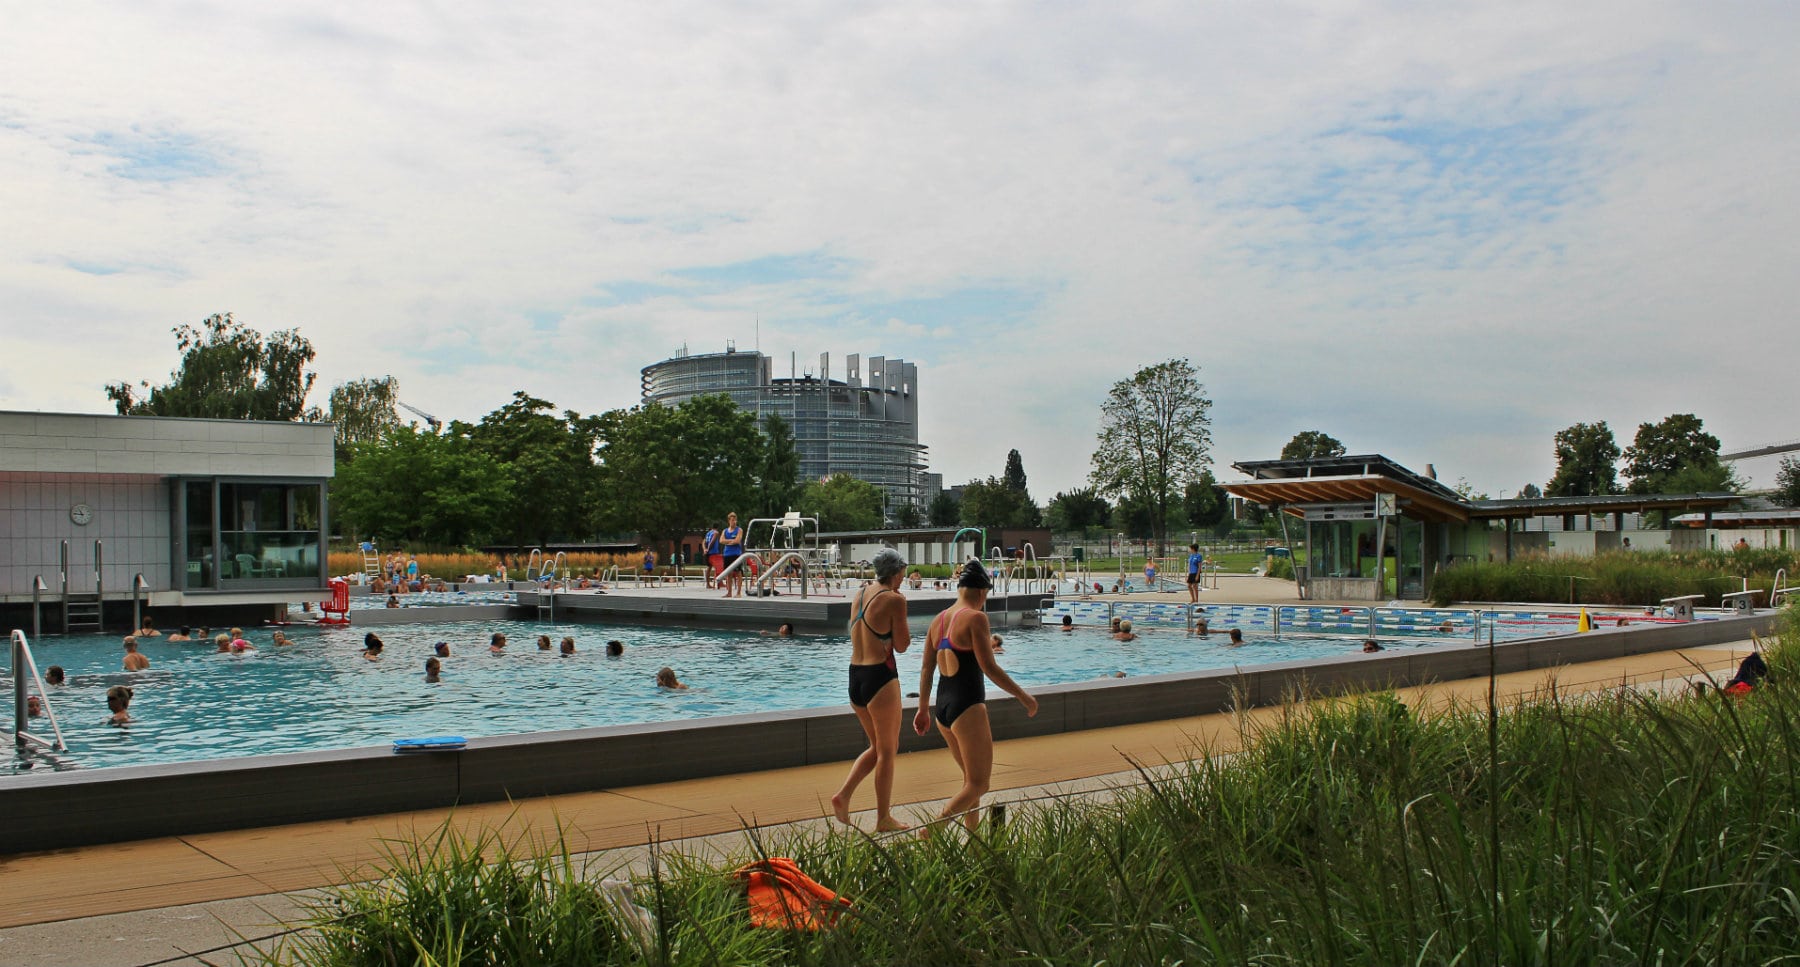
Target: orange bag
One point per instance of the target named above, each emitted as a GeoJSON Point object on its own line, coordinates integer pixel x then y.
{"type": "Point", "coordinates": [782, 897]}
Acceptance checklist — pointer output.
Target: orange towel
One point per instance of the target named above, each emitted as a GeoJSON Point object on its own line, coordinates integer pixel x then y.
{"type": "Point", "coordinates": [782, 897]}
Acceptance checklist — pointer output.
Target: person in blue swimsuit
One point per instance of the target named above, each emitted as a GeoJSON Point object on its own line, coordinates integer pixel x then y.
{"type": "Point", "coordinates": [731, 547]}
{"type": "Point", "coordinates": [959, 645]}
{"type": "Point", "coordinates": [1195, 561]}
{"type": "Point", "coordinates": [878, 631]}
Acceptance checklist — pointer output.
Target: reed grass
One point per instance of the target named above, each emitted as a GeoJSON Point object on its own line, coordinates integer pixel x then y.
{"type": "Point", "coordinates": [1632, 828]}
{"type": "Point", "coordinates": [1627, 578]}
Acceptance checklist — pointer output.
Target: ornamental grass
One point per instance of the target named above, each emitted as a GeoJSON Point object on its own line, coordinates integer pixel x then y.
{"type": "Point", "coordinates": [1624, 828]}
{"type": "Point", "coordinates": [1625, 578]}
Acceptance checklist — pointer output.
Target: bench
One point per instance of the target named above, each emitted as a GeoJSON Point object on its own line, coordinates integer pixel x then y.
{"type": "Point", "coordinates": [1682, 606]}
{"type": "Point", "coordinates": [1742, 602]}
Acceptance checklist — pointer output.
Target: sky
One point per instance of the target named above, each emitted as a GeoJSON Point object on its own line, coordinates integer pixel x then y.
{"type": "Point", "coordinates": [1437, 231]}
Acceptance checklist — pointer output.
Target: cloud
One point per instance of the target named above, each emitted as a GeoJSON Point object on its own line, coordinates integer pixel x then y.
{"type": "Point", "coordinates": [1437, 232]}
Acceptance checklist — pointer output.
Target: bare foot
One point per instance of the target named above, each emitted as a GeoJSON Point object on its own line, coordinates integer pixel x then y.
{"type": "Point", "coordinates": [840, 809]}
{"type": "Point", "coordinates": [890, 825]}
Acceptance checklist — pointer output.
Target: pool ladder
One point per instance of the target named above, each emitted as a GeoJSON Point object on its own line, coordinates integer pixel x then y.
{"type": "Point", "coordinates": [24, 671]}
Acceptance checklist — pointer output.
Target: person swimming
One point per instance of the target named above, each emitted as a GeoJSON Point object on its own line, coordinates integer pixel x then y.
{"type": "Point", "coordinates": [665, 678]}
{"type": "Point", "coordinates": [1124, 631]}
{"type": "Point", "coordinates": [118, 701]}
{"type": "Point", "coordinates": [543, 643]}
{"type": "Point", "coordinates": [433, 669]}
{"type": "Point", "coordinates": [497, 643]}
{"type": "Point", "coordinates": [372, 645]}
{"type": "Point", "coordinates": [615, 648]}
{"type": "Point", "coordinates": [568, 647]}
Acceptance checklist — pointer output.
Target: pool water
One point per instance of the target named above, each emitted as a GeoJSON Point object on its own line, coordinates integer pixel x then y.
{"type": "Point", "coordinates": [193, 703]}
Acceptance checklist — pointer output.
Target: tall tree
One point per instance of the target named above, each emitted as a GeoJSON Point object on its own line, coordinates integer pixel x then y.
{"type": "Point", "coordinates": [1154, 435]}
{"type": "Point", "coordinates": [364, 410]}
{"type": "Point", "coordinates": [843, 503]}
{"type": "Point", "coordinates": [991, 503]}
{"type": "Point", "coordinates": [666, 471]}
{"type": "Point", "coordinates": [1078, 510]}
{"type": "Point", "coordinates": [414, 485]}
{"type": "Point", "coordinates": [780, 476]}
{"type": "Point", "coordinates": [1312, 445]}
{"type": "Point", "coordinates": [1587, 459]}
{"type": "Point", "coordinates": [228, 371]}
{"type": "Point", "coordinates": [1530, 491]}
{"type": "Point", "coordinates": [1677, 455]}
{"type": "Point", "coordinates": [1014, 478]}
{"type": "Point", "coordinates": [549, 460]}
{"type": "Point", "coordinates": [1787, 482]}
{"type": "Point", "coordinates": [944, 510]}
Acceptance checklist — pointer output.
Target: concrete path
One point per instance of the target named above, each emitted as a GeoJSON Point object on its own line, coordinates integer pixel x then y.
{"type": "Point", "coordinates": [143, 902]}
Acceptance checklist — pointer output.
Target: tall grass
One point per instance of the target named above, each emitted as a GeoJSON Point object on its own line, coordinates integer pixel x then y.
{"type": "Point", "coordinates": [453, 566]}
{"type": "Point", "coordinates": [1619, 578]}
{"type": "Point", "coordinates": [1633, 829]}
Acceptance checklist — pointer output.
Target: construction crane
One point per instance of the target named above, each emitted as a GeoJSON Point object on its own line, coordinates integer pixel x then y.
{"type": "Point", "coordinates": [1764, 451]}
{"type": "Point", "coordinates": [430, 421]}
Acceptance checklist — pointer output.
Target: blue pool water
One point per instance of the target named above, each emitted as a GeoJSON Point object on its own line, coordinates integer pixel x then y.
{"type": "Point", "coordinates": [196, 704]}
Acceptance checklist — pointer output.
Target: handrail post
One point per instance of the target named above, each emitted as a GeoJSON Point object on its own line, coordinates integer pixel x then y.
{"type": "Point", "coordinates": [138, 586]}
{"type": "Point", "coordinates": [62, 569]}
{"type": "Point", "coordinates": [37, 594]}
{"type": "Point", "coordinates": [18, 674]}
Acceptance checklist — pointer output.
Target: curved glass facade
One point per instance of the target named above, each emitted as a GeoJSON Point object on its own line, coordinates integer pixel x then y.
{"type": "Point", "coordinates": [865, 423]}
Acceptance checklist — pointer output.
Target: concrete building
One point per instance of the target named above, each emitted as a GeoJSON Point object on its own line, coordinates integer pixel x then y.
{"type": "Point", "coordinates": [220, 514]}
{"type": "Point", "coordinates": [864, 423]}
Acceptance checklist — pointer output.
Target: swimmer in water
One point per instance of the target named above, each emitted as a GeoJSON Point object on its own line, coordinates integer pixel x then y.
{"type": "Point", "coordinates": [372, 645]}
{"type": "Point", "coordinates": [432, 668]}
{"type": "Point", "coordinates": [615, 648]}
{"type": "Point", "coordinates": [118, 701]}
{"type": "Point", "coordinates": [568, 647]}
{"type": "Point", "coordinates": [544, 643]}
{"type": "Point", "coordinates": [665, 678]}
{"type": "Point", "coordinates": [497, 644]}
{"type": "Point", "coordinates": [1124, 632]}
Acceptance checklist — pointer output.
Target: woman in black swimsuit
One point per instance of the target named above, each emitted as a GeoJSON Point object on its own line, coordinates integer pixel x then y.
{"type": "Point", "coordinates": [960, 645]}
{"type": "Point", "coordinates": [877, 632]}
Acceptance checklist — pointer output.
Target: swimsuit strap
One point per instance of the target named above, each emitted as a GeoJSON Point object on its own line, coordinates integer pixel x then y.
{"type": "Point", "coordinates": [863, 608]}
{"type": "Point", "coordinates": [950, 627]}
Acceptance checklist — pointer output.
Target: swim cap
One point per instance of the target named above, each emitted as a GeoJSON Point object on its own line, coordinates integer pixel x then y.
{"type": "Point", "coordinates": [975, 576]}
{"type": "Point", "coordinates": [887, 563]}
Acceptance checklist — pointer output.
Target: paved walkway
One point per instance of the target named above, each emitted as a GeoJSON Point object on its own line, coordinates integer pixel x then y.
{"type": "Point", "coordinates": [142, 902]}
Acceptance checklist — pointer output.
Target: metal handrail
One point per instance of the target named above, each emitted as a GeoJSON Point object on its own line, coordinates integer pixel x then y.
{"type": "Point", "coordinates": [1779, 585]}
{"type": "Point", "coordinates": [38, 587]}
{"type": "Point", "coordinates": [21, 656]}
{"type": "Point", "coordinates": [559, 568]}
{"type": "Point", "coordinates": [99, 589]}
{"type": "Point", "coordinates": [534, 563]}
{"type": "Point", "coordinates": [138, 586]}
{"type": "Point", "coordinates": [773, 571]}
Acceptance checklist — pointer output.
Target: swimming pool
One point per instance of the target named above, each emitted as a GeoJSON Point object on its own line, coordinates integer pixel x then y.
{"type": "Point", "coordinates": [195, 704]}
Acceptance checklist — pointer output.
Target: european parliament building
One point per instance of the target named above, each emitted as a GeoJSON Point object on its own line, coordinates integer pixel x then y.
{"type": "Point", "coordinates": [863, 422]}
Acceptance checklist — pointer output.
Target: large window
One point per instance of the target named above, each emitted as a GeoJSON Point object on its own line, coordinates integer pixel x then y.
{"type": "Point", "coordinates": [246, 534]}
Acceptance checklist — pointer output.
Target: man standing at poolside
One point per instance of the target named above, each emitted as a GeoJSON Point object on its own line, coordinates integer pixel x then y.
{"type": "Point", "coordinates": [731, 544]}
{"type": "Point", "coordinates": [1195, 561]}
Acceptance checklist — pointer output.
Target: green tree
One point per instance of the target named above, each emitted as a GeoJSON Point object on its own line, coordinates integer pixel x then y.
{"type": "Point", "coordinates": [1204, 502]}
{"type": "Point", "coordinates": [413, 485]}
{"type": "Point", "coordinates": [844, 503]}
{"type": "Point", "coordinates": [991, 503]}
{"type": "Point", "coordinates": [944, 510]}
{"type": "Point", "coordinates": [364, 410]}
{"type": "Point", "coordinates": [1312, 445]}
{"type": "Point", "coordinates": [1677, 455]}
{"type": "Point", "coordinates": [1014, 477]}
{"type": "Point", "coordinates": [1078, 510]}
{"type": "Point", "coordinates": [1154, 435]}
{"type": "Point", "coordinates": [666, 471]}
{"type": "Point", "coordinates": [549, 460]}
{"type": "Point", "coordinates": [1530, 491]}
{"type": "Point", "coordinates": [1787, 482]}
{"type": "Point", "coordinates": [780, 474]}
{"type": "Point", "coordinates": [1587, 459]}
{"type": "Point", "coordinates": [907, 515]}
{"type": "Point", "coordinates": [228, 371]}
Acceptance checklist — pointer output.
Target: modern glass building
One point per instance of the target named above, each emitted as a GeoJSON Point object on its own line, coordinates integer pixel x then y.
{"type": "Point", "coordinates": [864, 422]}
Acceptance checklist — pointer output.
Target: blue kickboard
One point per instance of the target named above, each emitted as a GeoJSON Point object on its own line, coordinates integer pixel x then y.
{"type": "Point", "coordinates": [436, 743]}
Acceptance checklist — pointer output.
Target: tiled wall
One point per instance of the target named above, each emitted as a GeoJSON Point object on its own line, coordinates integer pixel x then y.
{"type": "Point", "coordinates": [131, 516]}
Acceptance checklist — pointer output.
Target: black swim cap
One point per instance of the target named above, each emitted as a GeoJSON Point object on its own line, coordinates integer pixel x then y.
{"type": "Point", "coordinates": [975, 576]}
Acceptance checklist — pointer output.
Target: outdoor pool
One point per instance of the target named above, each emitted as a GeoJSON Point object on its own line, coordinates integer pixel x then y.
{"type": "Point", "coordinates": [196, 704]}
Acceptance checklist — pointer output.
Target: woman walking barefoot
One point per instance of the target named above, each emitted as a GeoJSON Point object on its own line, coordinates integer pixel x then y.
{"type": "Point", "coordinates": [959, 644]}
{"type": "Point", "coordinates": [877, 632]}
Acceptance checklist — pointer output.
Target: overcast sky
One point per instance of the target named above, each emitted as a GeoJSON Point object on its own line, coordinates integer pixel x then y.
{"type": "Point", "coordinates": [1436, 231]}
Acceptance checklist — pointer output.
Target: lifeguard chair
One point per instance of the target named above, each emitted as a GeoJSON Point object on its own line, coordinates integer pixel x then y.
{"type": "Point", "coordinates": [337, 610]}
